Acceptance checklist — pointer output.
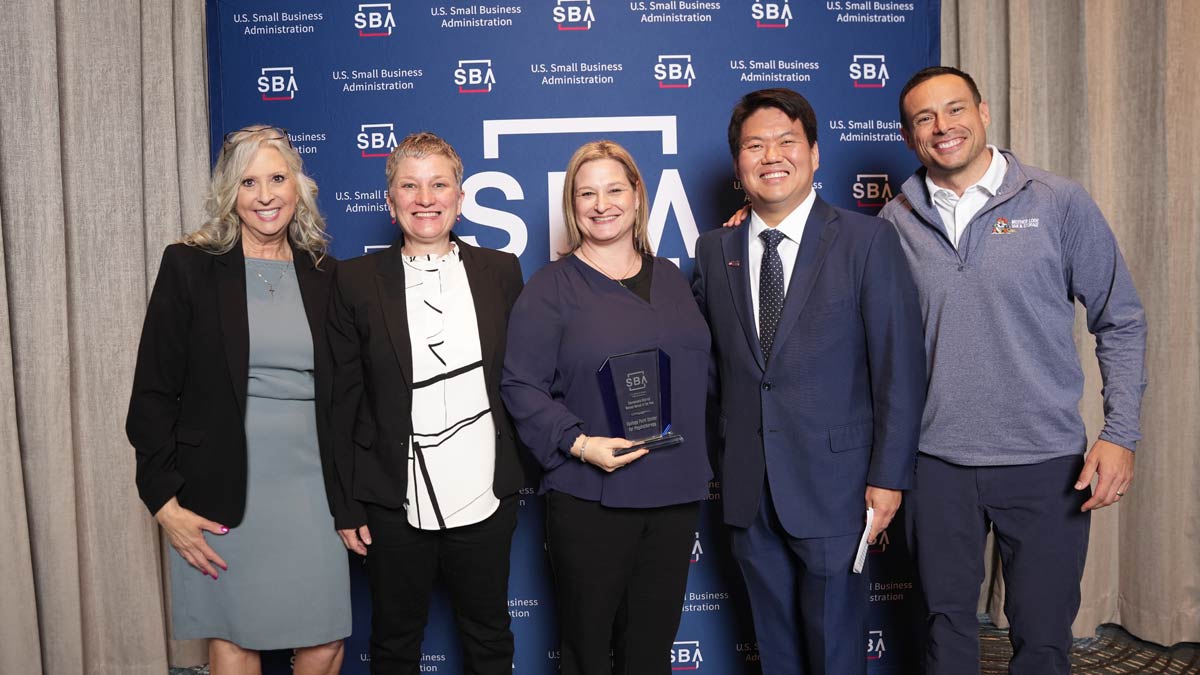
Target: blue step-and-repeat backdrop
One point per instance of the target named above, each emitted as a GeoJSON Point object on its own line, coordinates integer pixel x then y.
{"type": "Point", "coordinates": [516, 86]}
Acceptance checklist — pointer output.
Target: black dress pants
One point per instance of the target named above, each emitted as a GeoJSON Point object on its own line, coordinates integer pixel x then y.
{"type": "Point", "coordinates": [402, 563]}
{"type": "Point", "coordinates": [619, 580]}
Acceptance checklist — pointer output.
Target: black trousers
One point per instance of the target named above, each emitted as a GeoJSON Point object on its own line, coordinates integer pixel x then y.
{"type": "Point", "coordinates": [402, 563]}
{"type": "Point", "coordinates": [619, 580]}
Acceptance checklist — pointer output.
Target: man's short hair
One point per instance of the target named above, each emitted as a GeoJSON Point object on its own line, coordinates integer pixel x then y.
{"type": "Point", "coordinates": [928, 74]}
{"type": "Point", "coordinates": [791, 103]}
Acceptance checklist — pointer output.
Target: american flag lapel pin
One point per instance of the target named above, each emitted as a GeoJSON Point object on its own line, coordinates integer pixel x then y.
{"type": "Point", "coordinates": [734, 263]}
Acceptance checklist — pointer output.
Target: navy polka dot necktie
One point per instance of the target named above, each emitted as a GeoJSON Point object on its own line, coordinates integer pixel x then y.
{"type": "Point", "coordinates": [770, 289]}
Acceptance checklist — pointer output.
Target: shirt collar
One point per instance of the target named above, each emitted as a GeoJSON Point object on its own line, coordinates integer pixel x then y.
{"type": "Point", "coordinates": [792, 225]}
{"type": "Point", "coordinates": [989, 182]}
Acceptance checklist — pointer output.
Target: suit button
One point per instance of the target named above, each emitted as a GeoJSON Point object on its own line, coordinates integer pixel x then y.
{"type": "Point", "coordinates": [497, 433]}
{"type": "Point", "coordinates": [760, 431]}
{"type": "Point", "coordinates": [766, 386]}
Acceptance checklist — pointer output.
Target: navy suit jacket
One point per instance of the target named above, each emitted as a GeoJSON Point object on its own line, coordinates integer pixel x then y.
{"type": "Point", "coordinates": [837, 406]}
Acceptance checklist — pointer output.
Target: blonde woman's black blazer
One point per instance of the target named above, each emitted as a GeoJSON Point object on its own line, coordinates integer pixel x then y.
{"type": "Point", "coordinates": [186, 414]}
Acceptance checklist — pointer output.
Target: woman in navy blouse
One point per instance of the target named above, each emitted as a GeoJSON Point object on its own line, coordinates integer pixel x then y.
{"type": "Point", "coordinates": [619, 528]}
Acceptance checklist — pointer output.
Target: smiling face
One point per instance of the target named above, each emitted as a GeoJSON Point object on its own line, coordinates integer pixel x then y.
{"type": "Point", "coordinates": [266, 199]}
{"type": "Point", "coordinates": [425, 199]}
{"type": "Point", "coordinates": [947, 130]}
{"type": "Point", "coordinates": [605, 202]}
{"type": "Point", "coordinates": [775, 163]}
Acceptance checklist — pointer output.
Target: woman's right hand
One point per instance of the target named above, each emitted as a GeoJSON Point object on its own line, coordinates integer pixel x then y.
{"type": "Point", "coordinates": [356, 540]}
{"type": "Point", "coordinates": [185, 530]}
{"type": "Point", "coordinates": [598, 451]}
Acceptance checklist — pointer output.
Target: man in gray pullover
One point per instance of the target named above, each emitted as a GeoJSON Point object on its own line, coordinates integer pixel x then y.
{"type": "Point", "coordinates": [1000, 251]}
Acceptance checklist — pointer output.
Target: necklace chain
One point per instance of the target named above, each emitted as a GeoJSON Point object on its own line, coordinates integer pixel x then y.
{"type": "Point", "coordinates": [271, 284]}
{"type": "Point", "coordinates": [601, 270]}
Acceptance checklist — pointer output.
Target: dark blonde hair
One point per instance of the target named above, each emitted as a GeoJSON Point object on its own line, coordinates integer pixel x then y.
{"type": "Point", "coordinates": [419, 145]}
{"type": "Point", "coordinates": [222, 230]}
{"type": "Point", "coordinates": [592, 151]}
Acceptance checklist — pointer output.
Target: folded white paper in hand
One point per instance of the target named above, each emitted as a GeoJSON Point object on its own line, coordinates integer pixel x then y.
{"type": "Point", "coordinates": [861, 558]}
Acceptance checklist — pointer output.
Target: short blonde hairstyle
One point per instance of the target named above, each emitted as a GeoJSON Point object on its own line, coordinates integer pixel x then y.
{"type": "Point", "coordinates": [419, 145]}
{"type": "Point", "coordinates": [222, 230]}
{"type": "Point", "coordinates": [606, 150]}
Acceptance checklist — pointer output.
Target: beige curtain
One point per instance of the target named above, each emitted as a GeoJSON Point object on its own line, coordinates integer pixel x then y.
{"type": "Point", "coordinates": [1105, 91]}
{"type": "Point", "coordinates": [103, 150]}
{"type": "Point", "coordinates": [103, 145]}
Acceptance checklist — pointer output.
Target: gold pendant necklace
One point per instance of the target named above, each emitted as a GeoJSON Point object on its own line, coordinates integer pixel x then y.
{"type": "Point", "coordinates": [595, 265]}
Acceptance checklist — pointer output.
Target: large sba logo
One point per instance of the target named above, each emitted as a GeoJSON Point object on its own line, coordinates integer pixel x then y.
{"type": "Point", "coordinates": [869, 71]}
{"type": "Point", "coordinates": [277, 84]}
{"type": "Point", "coordinates": [573, 14]}
{"type": "Point", "coordinates": [771, 14]}
{"type": "Point", "coordinates": [670, 195]}
{"type": "Point", "coordinates": [374, 19]}
{"type": "Point", "coordinates": [685, 655]}
{"type": "Point", "coordinates": [376, 140]}
{"type": "Point", "coordinates": [474, 76]}
{"type": "Point", "coordinates": [674, 71]}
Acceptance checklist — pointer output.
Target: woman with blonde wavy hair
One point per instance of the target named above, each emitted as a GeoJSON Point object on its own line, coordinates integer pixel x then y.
{"type": "Point", "coordinates": [228, 417]}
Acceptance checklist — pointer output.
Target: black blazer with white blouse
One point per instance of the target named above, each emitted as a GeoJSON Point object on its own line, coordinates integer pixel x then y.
{"type": "Point", "coordinates": [186, 416]}
{"type": "Point", "coordinates": [373, 375]}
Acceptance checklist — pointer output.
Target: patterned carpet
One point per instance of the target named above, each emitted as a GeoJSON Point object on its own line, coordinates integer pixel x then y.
{"type": "Point", "coordinates": [1111, 652]}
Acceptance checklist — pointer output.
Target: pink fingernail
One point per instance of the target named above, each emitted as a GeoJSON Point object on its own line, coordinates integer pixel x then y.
{"type": "Point", "coordinates": [224, 530]}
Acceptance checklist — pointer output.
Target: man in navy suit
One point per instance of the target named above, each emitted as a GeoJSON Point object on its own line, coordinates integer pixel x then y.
{"type": "Point", "coordinates": [818, 344]}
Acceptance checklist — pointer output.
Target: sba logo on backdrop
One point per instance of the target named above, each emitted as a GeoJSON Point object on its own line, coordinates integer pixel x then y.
{"type": "Point", "coordinates": [374, 19]}
{"type": "Point", "coordinates": [685, 655]}
{"type": "Point", "coordinates": [771, 14]}
{"type": "Point", "coordinates": [871, 190]}
{"type": "Point", "coordinates": [573, 14]}
{"type": "Point", "coordinates": [278, 83]}
{"type": "Point", "coordinates": [869, 71]}
{"type": "Point", "coordinates": [674, 71]}
{"type": "Point", "coordinates": [474, 76]}
{"type": "Point", "coordinates": [376, 140]}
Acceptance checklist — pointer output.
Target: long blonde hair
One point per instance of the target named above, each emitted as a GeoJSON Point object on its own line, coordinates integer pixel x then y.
{"type": "Point", "coordinates": [222, 230]}
{"type": "Point", "coordinates": [606, 150]}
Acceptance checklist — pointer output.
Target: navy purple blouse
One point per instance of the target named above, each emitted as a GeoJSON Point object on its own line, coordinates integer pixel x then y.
{"type": "Point", "coordinates": [568, 320]}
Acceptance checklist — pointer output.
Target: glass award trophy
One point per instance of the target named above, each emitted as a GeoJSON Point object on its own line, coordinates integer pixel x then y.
{"type": "Point", "coordinates": [636, 389]}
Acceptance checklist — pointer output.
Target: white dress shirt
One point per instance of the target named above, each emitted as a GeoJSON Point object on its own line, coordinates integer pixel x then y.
{"type": "Point", "coordinates": [792, 227]}
{"type": "Point", "coordinates": [956, 211]}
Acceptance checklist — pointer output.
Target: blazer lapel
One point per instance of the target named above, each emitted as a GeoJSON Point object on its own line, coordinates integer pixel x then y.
{"type": "Point", "coordinates": [819, 232]}
{"type": "Point", "coordinates": [392, 304]}
{"type": "Point", "coordinates": [737, 271]}
{"type": "Point", "coordinates": [235, 323]}
{"type": "Point", "coordinates": [485, 295]}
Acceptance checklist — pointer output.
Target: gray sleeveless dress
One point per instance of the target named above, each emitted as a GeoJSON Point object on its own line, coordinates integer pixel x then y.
{"type": "Point", "coordinates": [288, 582]}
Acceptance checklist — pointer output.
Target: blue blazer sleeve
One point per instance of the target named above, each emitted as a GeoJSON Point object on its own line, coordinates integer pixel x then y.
{"type": "Point", "coordinates": [895, 358]}
{"type": "Point", "coordinates": [535, 330]}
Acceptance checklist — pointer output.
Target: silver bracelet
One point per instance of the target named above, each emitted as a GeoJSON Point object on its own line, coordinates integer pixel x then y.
{"type": "Point", "coordinates": [583, 448]}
